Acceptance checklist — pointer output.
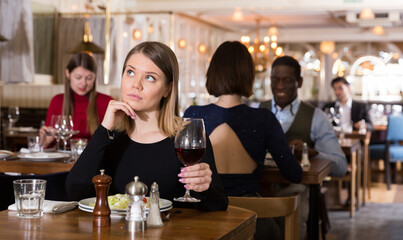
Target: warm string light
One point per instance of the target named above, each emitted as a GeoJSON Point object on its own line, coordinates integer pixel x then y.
{"type": "Point", "coordinates": [137, 34]}
{"type": "Point", "coordinates": [182, 43]}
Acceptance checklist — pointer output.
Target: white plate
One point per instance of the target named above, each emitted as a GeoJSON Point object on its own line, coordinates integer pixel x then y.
{"type": "Point", "coordinates": [85, 205]}
{"type": "Point", "coordinates": [24, 129]}
{"type": "Point", "coordinates": [44, 156]}
{"type": "Point", "coordinates": [4, 154]}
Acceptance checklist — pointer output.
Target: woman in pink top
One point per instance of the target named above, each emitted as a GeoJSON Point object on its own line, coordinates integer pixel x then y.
{"type": "Point", "coordinates": [80, 98]}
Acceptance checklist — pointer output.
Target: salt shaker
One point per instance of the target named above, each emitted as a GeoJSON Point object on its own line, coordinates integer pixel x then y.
{"type": "Point", "coordinates": [305, 157]}
{"type": "Point", "coordinates": [101, 211]}
{"type": "Point", "coordinates": [135, 216]}
{"type": "Point", "coordinates": [154, 215]}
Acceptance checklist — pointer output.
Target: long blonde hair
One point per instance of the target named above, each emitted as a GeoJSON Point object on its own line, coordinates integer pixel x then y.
{"type": "Point", "coordinates": [164, 58]}
{"type": "Point", "coordinates": [86, 61]}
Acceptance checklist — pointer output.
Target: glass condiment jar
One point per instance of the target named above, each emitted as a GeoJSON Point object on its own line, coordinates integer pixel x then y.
{"type": "Point", "coordinates": [154, 214]}
{"type": "Point", "coordinates": [136, 215]}
{"type": "Point", "coordinates": [305, 156]}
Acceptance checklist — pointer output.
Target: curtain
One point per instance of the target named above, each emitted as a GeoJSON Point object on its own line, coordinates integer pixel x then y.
{"type": "Point", "coordinates": [16, 54]}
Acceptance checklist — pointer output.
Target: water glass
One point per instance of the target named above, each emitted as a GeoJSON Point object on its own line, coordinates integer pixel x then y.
{"type": "Point", "coordinates": [29, 196]}
{"type": "Point", "coordinates": [34, 144]}
{"type": "Point", "coordinates": [77, 147]}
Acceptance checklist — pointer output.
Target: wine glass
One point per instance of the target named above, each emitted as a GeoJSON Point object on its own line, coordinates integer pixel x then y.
{"type": "Point", "coordinates": [55, 123]}
{"type": "Point", "coordinates": [13, 116]}
{"type": "Point", "coordinates": [66, 129]}
{"type": "Point", "coordinates": [190, 145]}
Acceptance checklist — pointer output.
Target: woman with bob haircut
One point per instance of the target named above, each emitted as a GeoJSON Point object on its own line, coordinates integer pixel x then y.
{"type": "Point", "coordinates": [240, 134]}
{"type": "Point", "coordinates": [80, 98]}
{"type": "Point", "coordinates": [136, 137]}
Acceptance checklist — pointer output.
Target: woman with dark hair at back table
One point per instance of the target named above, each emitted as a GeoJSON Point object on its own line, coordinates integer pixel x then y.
{"type": "Point", "coordinates": [80, 98]}
{"type": "Point", "coordinates": [241, 135]}
{"type": "Point", "coordinates": [136, 137]}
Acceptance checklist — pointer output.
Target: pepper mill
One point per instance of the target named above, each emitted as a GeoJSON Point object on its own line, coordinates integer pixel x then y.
{"type": "Point", "coordinates": [135, 216]}
{"type": "Point", "coordinates": [101, 211]}
{"type": "Point", "coordinates": [154, 214]}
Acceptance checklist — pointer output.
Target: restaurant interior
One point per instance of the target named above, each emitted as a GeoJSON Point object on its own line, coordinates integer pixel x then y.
{"type": "Point", "coordinates": [360, 40]}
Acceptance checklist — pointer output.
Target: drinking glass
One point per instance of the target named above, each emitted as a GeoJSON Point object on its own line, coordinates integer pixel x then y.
{"type": "Point", "coordinates": [190, 145]}
{"type": "Point", "coordinates": [77, 147]}
{"type": "Point", "coordinates": [29, 195]}
{"type": "Point", "coordinates": [13, 116]}
{"type": "Point", "coordinates": [34, 144]}
{"type": "Point", "coordinates": [66, 129]}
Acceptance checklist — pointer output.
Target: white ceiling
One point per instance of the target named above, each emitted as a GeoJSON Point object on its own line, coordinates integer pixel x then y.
{"type": "Point", "coordinates": [314, 20]}
{"type": "Point", "coordinates": [296, 20]}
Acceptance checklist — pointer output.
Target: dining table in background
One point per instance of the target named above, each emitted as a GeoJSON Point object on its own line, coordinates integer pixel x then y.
{"type": "Point", "coordinates": [235, 223]}
{"type": "Point", "coordinates": [312, 176]}
{"type": "Point", "coordinates": [17, 138]}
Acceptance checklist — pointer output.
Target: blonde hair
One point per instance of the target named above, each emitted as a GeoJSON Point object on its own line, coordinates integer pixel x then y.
{"type": "Point", "coordinates": [164, 58]}
{"type": "Point", "coordinates": [86, 61]}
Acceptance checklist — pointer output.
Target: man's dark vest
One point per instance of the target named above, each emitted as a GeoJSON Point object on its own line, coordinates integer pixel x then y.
{"type": "Point", "coordinates": [301, 126]}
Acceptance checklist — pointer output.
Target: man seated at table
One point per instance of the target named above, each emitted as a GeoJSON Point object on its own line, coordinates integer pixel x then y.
{"type": "Point", "coordinates": [302, 122]}
{"type": "Point", "coordinates": [353, 111]}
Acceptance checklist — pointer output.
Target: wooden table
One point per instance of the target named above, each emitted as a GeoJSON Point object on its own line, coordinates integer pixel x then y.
{"type": "Point", "coordinates": [365, 139]}
{"type": "Point", "coordinates": [235, 223]}
{"type": "Point", "coordinates": [352, 147]}
{"type": "Point", "coordinates": [312, 175]}
{"type": "Point", "coordinates": [26, 167]}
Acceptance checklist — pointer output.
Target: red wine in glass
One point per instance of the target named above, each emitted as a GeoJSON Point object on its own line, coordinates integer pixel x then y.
{"type": "Point", "coordinates": [190, 145]}
{"type": "Point", "coordinates": [190, 156]}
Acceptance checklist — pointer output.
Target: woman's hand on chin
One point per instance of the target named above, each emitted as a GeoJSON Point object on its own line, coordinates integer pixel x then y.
{"type": "Point", "coordinates": [196, 177]}
{"type": "Point", "coordinates": [115, 113]}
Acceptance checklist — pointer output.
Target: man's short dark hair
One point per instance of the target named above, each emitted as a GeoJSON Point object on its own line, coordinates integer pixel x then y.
{"type": "Point", "coordinates": [290, 62]}
{"type": "Point", "coordinates": [340, 79]}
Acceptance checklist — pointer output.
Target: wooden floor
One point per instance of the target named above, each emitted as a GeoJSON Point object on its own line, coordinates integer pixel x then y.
{"type": "Point", "coordinates": [381, 218]}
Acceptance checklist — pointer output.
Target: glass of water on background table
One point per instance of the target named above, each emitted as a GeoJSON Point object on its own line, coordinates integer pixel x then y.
{"type": "Point", "coordinates": [29, 196]}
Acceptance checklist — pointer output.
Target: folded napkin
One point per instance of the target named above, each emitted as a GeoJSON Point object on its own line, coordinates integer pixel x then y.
{"type": "Point", "coordinates": [24, 150]}
{"type": "Point", "coordinates": [52, 206]}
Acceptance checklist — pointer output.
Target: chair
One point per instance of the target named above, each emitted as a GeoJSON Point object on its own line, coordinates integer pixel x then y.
{"type": "Point", "coordinates": [391, 151]}
{"type": "Point", "coordinates": [55, 187]}
{"type": "Point", "coordinates": [270, 207]}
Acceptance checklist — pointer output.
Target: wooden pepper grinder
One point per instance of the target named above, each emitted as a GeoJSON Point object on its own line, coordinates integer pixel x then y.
{"type": "Point", "coordinates": [102, 212]}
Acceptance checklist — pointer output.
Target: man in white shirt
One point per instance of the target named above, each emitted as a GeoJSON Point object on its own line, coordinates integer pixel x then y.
{"type": "Point", "coordinates": [353, 112]}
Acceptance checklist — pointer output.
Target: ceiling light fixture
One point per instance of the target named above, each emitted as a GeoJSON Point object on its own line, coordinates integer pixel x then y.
{"type": "Point", "coordinates": [237, 15]}
{"type": "Point", "coordinates": [327, 47]}
{"type": "Point", "coordinates": [86, 45]}
{"type": "Point", "coordinates": [263, 51]}
{"type": "Point", "coordinates": [378, 30]}
{"type": "Point", "coordinates": [367, 13]}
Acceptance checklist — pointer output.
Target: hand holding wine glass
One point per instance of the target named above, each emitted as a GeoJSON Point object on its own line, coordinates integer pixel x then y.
{"type": "Point", "coordinates": [190, 145]}
{"type": "Point", "coordinates": [49, 133]}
